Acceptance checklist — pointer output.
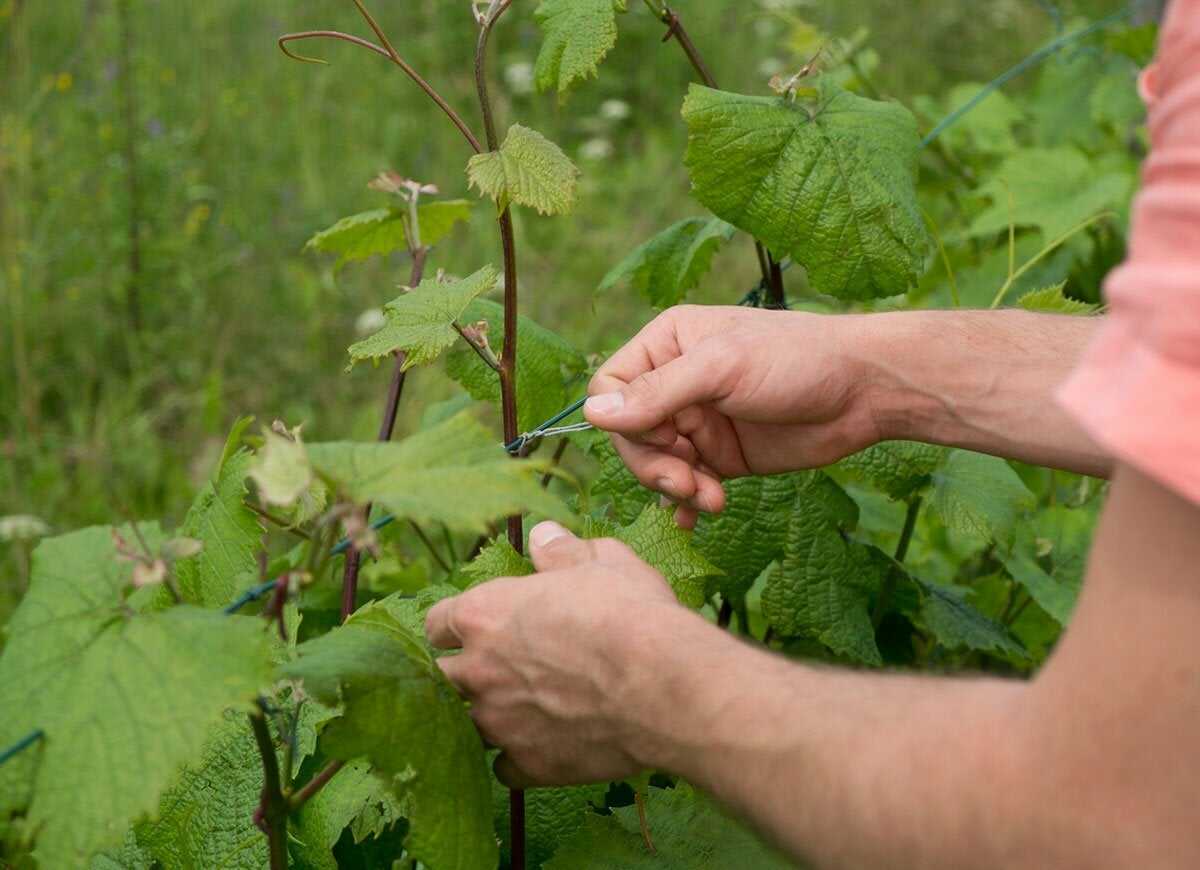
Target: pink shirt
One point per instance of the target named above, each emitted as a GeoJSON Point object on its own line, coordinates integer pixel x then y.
{"type": "Point", "coordinates": [1137, 389]}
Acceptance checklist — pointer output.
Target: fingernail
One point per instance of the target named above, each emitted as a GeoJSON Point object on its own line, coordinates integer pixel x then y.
{"type": "Point", "coordinates": [702, 501]}
{"type": "Point", "coordinates": [543, 533]}
{"type": "Point", "coordinates": [605, 403]}
{"type": "Point", "coordinates": [665, 486]}
{"type": "Point", "coordinates": [665, 501]}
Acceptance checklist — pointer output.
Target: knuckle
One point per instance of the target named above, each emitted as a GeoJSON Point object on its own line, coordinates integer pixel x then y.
{"type": "Point", "coordinates": [471, 616]}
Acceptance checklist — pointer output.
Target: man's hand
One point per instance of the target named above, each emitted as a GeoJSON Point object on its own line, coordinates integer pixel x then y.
{"type": "Point", "coordinates": [704, 393]}
{"type": "Point", "coordinates": [548, 660]}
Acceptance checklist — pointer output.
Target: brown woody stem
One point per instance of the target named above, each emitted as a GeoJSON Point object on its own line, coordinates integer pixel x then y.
{"type": "Point", "coordinates": [272, 812]}
{"type": "Point", "coordinates": [771, 275]}
{"type": "Point", "coordinates": [508, 361]}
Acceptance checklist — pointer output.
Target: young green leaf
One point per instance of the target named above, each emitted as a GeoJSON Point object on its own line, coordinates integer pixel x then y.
{"type": "Point", "coordinates": [497, 559]}
{"type": "Point", "coordinates": [281, 470]}
{"type": "Point", "coordinates": [578, 34]}
{"type": "Point", "coordinates": [231, 534]}
{"type": "Point", "coordinates": [750, 533]}
{"type": "Point", "coordinates": [77, 667]}
{"type": "Point", "coordinates": [354, 798]}
{"type": "Point", "coordinates": [420, 323]}
{"type": "Point", "coordinates": [388, 684]}
{"type": "Point", "coordinates": [946, 613]}
{"type": "Point", "coordinates": [614, 484]}
{"type": "Point", "coordinates": [979, 496]}
{"type": "Point", "coordinates": [1053, 189]}
{"type": "Point", "coordinates": [665, 267]}
{"type": "Point", "coordinates": [548, 377]}
{"type": "Point", "coordinates": [656, 538]}
{"type": "Point", "coordinates": [832, 184]}
{"type": "Point", "coordinates": [824, 585]}
{"type": "Point", "coordinates": [1053, 300]}
{"type": "Point", "coordinates": [383, 230]}
{"type": "Point", "coordinates": [529, 170]}
{"type": "Point", "coordinates": [899, 468]}
{"type": "Point", "coordinates": [454, 473]}
{"type": "Point", "coordinates": [689, 832]}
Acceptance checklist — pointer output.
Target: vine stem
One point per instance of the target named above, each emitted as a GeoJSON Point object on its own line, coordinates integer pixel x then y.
{"type": "Point", "coordinates": [314, 785]}
{"type": "Point", "coordinates": [386, 427]}
{"type": "Point", "coordinates": [273, 810]}
{"type": "Point", "coordinates": [889, 582]}
{"type": "Point", "coordinates": [772, 276]}
{"type": "Point", "coordinates": [1044, 252]}
{"type": "Point", "coordinates": [508, 359]}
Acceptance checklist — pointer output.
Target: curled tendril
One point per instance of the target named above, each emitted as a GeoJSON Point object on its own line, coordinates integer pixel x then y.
{"type": "Point", "coordinates": [325, 34]}
{"type": "Point", "coordinates": [388, 51]}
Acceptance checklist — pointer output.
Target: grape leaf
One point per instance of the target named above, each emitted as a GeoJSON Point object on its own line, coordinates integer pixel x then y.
{"type": "Point", "coordinates": [206, 819]}
{"type": "Point", "coordinates": [130, 856]}
{"type": "Point", "coordinates": [657, 540]}
{"type": "Point", "coordinates": [552, 816]}
{"type": "Point", "coordinates": [900, 469]}
{"type": "Point", "coordinates": [410, 610]}
{"type": "Point", "coordinates": [1053, 189]}
{"type": "Point", "coordinates": [1053, 300]}
{"type": "Point", "coordinates": [833, 185]}
{"type": "Point", "coordinates": [384, 230]}
{"type": "Point", "coordinates": [1056, 597]}
{"type": "Point", "coordinates": [389, 684]}
{"type": "Point", "coordinates": [76, 581]}
{"type": "Point", "coordinates": [548, 374]}
{"type": "Point", "coordinates": [497, 559]}
{"type": "Point", "coordinates": [825, 582]}
{"type": "Point", "coordinates": [614, 483]}
{"type": "Point", "coordinates": [578, 34]}
{"type": "Point", "coordinates": [421, 322]}
{"type": "Point", "coordinates": [78, 667]}
{"type": "Point", "coordinates": [979, 496]}
{"type": "Point", "coordinates": [529, 170]}
{"type": "Point", "coordinates": [454, 473]}
{"type": "Point", "coordinates": [282, 473]}
{"type": "Point", "coordinates": [231, 534]}
{"type": "Point", "coordinates": [689, 833]}
{"type": "Point", "coordinates": [947, 614]}
{"type": "Point", "coordinates": [666, 266]}
{"type": "Point", "coordinates": [355, 794]}
{"type": "Point", "coordinates": [749, 534]}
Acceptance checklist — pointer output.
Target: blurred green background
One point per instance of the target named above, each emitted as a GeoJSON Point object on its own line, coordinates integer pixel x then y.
{"type": "Point", "coordinates": [181, 124]}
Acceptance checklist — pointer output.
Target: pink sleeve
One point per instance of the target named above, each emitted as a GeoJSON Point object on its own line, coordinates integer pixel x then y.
{"type": "Point", "coordinates": [1137, 389]}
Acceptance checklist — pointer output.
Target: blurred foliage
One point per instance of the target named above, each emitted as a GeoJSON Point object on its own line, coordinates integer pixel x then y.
{"type": "Point", "coordinates": [240, 154]}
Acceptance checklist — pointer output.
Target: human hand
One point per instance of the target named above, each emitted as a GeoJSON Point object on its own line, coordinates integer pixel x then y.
{"type": "Point", "coordinates": [552, 661]}
{"type": "Point", "coordinates": [703, 393]}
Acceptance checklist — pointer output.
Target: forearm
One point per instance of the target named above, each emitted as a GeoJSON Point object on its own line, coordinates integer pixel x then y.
{"type": "Point", "coordinates": [981, 380]}
{"type": "Point", "coordinates": [1092, 764]}
{"type": "Point", "coordinates": [846, 769]}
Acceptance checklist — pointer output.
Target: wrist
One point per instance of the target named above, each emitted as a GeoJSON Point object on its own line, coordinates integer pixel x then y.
{"type": "Point", "coordinates": [695, 693]}
{"type": "Point", "coordinates": [896, 359]}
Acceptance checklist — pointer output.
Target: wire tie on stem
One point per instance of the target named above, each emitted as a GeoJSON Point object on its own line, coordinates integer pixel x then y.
{"type": "Point", "coordinates": [549, 429]}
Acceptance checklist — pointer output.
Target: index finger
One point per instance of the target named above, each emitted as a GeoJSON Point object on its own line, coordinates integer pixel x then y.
{"type": "Point", "coordinates": [440, 627]}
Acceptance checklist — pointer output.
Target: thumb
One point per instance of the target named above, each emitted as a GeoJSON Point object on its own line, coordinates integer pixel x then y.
{"type": "Point", "coordinates": [656, 395]}
{"type": "Point", "coordinates": [552, 547]}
